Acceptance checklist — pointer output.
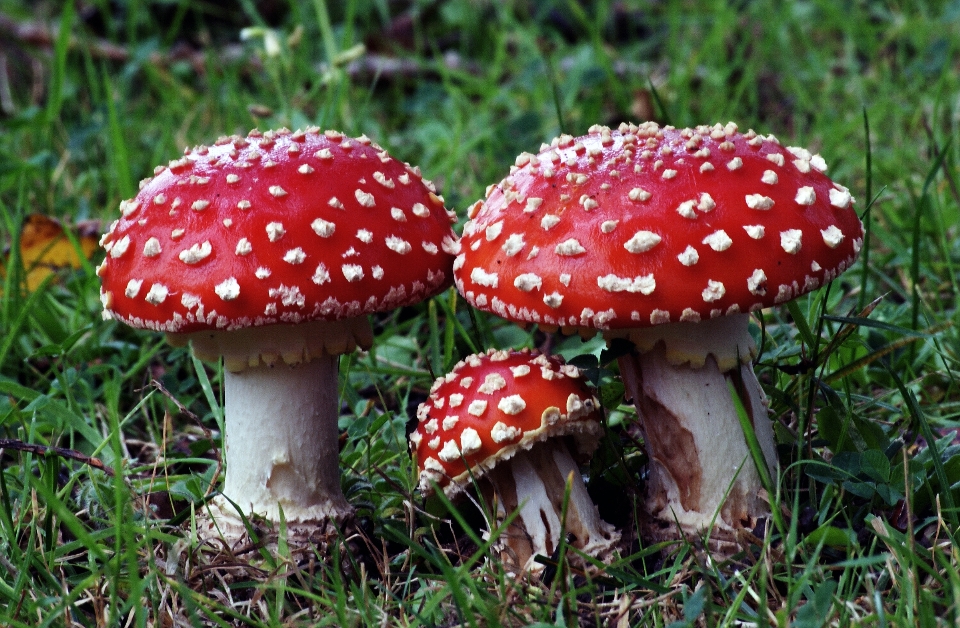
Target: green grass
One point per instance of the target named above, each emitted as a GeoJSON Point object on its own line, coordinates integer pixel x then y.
{"type": "Point", "coordinates": [862, 375]}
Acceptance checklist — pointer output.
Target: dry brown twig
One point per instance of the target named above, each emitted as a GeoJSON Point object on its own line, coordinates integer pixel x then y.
{"type": "Point", "coordinates": [45, 450]}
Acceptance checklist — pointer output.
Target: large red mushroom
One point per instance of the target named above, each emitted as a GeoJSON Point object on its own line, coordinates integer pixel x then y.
{"type": "Point", "coordinates": [270, 251]}
{"type": "Point", "coordinates": [669, 238]}
{"type": "Point", "coordinates": [515, 422]}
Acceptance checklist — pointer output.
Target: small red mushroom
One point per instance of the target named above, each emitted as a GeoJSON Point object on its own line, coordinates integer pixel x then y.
{"type": "Point", "coordinates": [270, 250]}
{"type": "Point", "coordinates": [669, 238]}
{"type": "Point", "coordinates": [505, 419]}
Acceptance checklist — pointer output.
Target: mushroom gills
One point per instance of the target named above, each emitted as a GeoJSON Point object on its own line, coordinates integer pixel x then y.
{"type": "Point", "coordinates": [535, 482]}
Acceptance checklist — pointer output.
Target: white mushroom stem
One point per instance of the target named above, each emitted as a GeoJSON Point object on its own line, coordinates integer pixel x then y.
{"type": "Point", "coordinates": [697, 448]}
{"type": "Point", "coordinates": [282, 446]}
{"type": "Point", "coordinates": [535, 481]}
{"type": "Point", "coordinates": [281, 411]}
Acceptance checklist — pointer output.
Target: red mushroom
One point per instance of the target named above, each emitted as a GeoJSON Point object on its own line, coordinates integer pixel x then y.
{"type": "Point", "coordinates": [269, 251]}
{"type": "Point", "coordinates": [669, 238]}
{"type": "Point", "coordinates": [505, 419]}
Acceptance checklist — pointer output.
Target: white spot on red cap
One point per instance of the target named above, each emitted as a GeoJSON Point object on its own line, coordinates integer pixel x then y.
{"type": "Point", "coordinates": [243, 247]}
{"type": "Point", "coordinates": [196, 253]}
{"type": "Point", "coordinates": [321, 275]}
{"type": "Point", "coordinates": [228, 289]}
{"type": "Point", "coordinates": [659, 317]}
{"type": "Point", "coordinates": [483, 278]}
{"type": "Point", "coordinates": [383, 180]}
{"type": "Point", "coordinates": [364, 198]}
{"type": "Point", "coordinates": [754, 231]}
{"type": "Point", "coordinates": [718, 240]}
{"type": "Point", "coordinates": [277, 191]}
{"type": "Point", "coordinates": [685, 209]}
{"type": "Point", "coordinates": [493, 231]}
{"type": "Point", "coordinates": [553, 300]}
{"type": "Point", "coordinates": [706, 203]}
{"type": "Point", "coordinates": [151, 248]}
{"type": "Point", "coordinates": [275, 231]}
{"type": "Point", "coordinates": [806, 196]}
{"type": "Point", "coordinates": [323, 228]}
{"type": "Point", "coordinates": [501, 432]}
{"type": "Point", "coordinates": [689, 257]}
{"type": "Point", "coordinates": [569, 248]}
{"type": "Point", "coordinates": [759, 201]}
{"type": "Point", "coordinates": [352, 272]}
{"type": "Point", "coordinates": [450, 451]}
{"type": "Point", "coordinates": [157, 294]}
{"type": "Point", "coordinates": [644, 284]}
{"type": "Point", "coordinates": [638, 194]}
{"type": "Point", "coordinates": [776, 158]}
{"type": "Point", "coordinates": [840, 198]}
{"type": "Point", "coordinates": [477, 407]}
{"type": "Point", "coordinates": [470, 442]}
{"type": "Point", "coordinates": [133, 288]}
{"type": "Point", "coordinates": [294, 256]}
{"type": "Point", "coordinates": [790, 240]}
{"type": "Point", "coordinates": [199, 206]}
{"type": "Point", "coordinates": [513, 245]}
{"type": "Point", "coordinates": [832, 236]}
{"type": "Point", "coordinates": [120, 247]}
{"type": "Point", "coordinates": [735, 164]}
{"type": "Point", "coordinates": [528, 282]}
{"type": "Point", "coordinates": [513, 404]}
{"type": "Point", "coordinates": [243, 205]}
{"type": "Point", "coordinates": [549, 221]}
{"type": "Point", "coordinates": [365, 236]}
{"type": "Point", "coordinates": [492, 382]}
{"type": "Point", "coordinates": [714, 291]}
{"type": "Point", "coordinates": [769, 177]}
{"type": "Point", "coordinates": [642, 241]}
{"type": "Point", "coordinates": [533, 203]}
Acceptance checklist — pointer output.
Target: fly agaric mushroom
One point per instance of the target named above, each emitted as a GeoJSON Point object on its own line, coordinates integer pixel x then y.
{"type": "Point", "coordinates": [505, 419]}
{"type": "Point", "coordinates": [269, 251]}
{"type": "Point", "coordinates": [669, 238]}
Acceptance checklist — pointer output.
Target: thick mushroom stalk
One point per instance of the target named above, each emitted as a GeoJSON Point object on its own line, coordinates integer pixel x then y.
{"type": "Point", "coordinates": [507, 419]}
{"type": "Point", "coordinates": [284, 377]}
{"type": "Point", "coordinates": [702, 479]}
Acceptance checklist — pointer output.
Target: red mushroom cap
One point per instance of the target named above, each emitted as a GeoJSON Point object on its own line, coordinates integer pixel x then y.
{"type": "Point", "coordinates": [277, 227]}
{"type": "Point", "coordinates": [492, 405]}
{"type": "Point", "coordinates": [648, 225]}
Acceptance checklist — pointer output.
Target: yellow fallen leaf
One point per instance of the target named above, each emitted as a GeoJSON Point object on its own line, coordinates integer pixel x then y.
{"type": "Point", "coordinates": [45, 247]}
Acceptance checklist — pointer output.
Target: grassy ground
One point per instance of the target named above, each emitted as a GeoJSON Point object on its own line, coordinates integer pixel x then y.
{"type": "Point", "coordinates": [861, 375]}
